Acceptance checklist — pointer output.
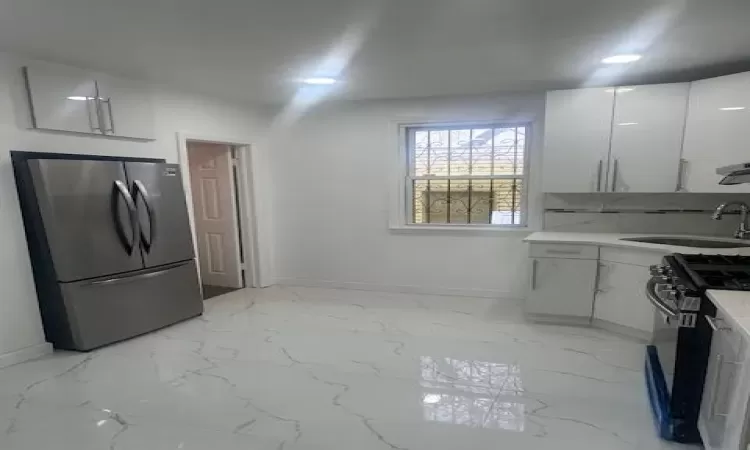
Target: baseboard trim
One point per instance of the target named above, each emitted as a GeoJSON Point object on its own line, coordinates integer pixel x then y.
{"type": "Point", "coordinates": [356, 286]}
{"type": "Point", "coordinates": [622, 330]}
{"type": "Point", "coordinates": [25, 354]}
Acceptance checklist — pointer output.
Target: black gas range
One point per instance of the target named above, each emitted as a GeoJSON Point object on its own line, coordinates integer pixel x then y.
{"type": "Point", "coordinates": [730, 272]}
{"type": "Point", "coordinates": [677, 358]}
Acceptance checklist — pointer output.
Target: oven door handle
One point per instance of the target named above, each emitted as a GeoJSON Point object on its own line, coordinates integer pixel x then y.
{"type": "Point", "coordinates": [656, 301]}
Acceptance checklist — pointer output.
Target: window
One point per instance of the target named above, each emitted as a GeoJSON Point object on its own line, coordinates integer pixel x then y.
{"type": "Point", "coordinates": [467, 174]}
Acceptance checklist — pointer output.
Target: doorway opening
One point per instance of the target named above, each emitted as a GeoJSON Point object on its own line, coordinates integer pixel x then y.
{"type": "Point", "coordinates": [214, 181]}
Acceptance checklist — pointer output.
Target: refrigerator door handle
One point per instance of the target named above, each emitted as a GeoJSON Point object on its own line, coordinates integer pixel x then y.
{"type": "Point", "coordinates": [121, 190]}
{"type": "Point", "coordinates": [147, 241]}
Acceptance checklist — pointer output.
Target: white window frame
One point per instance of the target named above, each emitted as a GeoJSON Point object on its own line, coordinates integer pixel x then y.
{"type": "Point", "coordinates": [402, 219]}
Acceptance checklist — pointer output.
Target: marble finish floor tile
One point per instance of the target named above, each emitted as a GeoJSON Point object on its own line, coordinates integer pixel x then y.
{"type": "Point", "coordinates": [316, 369]}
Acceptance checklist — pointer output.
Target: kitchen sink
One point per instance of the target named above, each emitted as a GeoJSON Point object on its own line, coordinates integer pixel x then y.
{"type": "Point", "coordinates": [687, 242]}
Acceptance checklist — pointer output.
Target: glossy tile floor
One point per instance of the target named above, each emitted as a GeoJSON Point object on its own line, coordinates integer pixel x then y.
{"type": "Point", "coordinates": [299, 368]}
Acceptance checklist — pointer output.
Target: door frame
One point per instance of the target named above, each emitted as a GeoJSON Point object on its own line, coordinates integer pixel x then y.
{"type": "Point", "coordinates": [254, 274]}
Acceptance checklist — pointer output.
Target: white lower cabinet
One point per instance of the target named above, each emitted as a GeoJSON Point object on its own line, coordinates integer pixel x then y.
{"type": "Point", "coordinates": [620, 296]}
{"type": "Point", "coordinates": [723, 419]}
{"type": "Point", "coordinates": [576, 283]}
{"type": "Point", "coordinates": [620, 292]}
{"type": "Point", "coordinates": [561, 287]}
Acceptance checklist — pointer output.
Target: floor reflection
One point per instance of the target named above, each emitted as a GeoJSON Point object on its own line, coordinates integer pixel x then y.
{"type": "Point", "coordinates": [483, 403]}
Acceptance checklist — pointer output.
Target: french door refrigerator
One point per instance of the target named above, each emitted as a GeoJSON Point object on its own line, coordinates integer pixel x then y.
{"type": "Point", "coordinates": [111, 247]}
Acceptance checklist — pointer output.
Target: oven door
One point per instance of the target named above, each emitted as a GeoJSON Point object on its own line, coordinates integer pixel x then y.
{"type": "Point", "coordinates": [661, 356]}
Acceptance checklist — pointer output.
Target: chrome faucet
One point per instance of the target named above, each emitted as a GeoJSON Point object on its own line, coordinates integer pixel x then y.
{"type": "Point", "coordinates": [743, 232]}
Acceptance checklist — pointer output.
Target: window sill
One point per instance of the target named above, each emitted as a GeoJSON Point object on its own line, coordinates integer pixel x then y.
{"type": "Point", "coordinates": [460, 229]}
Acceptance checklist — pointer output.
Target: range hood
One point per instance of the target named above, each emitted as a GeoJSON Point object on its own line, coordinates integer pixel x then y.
{"type": "Point", "coordinates": [735, 174]}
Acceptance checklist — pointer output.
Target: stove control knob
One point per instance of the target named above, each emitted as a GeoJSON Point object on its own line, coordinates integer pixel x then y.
{"type": "Point", "coordinates": [657, 269]}
{"type": "Point", "coordinates": [664, 287]}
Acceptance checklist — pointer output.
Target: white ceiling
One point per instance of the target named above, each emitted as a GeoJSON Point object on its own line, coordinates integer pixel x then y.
{"type": "Point", "coordinates": [255, 49]}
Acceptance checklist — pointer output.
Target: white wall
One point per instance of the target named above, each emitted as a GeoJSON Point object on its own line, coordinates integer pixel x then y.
{"type": "Point", "coordinates": [333, 192]}
{"type": "Point", "coordinates": [20, 324]}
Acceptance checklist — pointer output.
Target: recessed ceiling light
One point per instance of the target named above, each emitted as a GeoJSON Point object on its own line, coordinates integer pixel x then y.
{"type": "Point", "coordinates": [78, 98]}
{"type": "Point", "coordinates": [625, 124]}
{"type": "Point", "coordinates": [733, 108]}
{"type": "Point", "coordinates": [621, 59]}
{"type": "Point", "coordinates": [320, 80]}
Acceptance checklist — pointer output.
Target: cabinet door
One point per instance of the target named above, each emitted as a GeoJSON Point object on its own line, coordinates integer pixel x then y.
{"type": "Point", "coordinates": [561, 287]}
{"type": "Point", "coordinates": [716, 131]}
{"type": "Point", "coordinates": [61, 98]}
{"type": "Point", "coordinates": [127, 108]}
{"type": "Point", "coordinates": [721, 410]}
{"type": "Point", "coordinates": [578, 127]}
{"type": "Point", "coordinates": [647, 133]}
{"type": "Point", "coordinates": [620, 296]}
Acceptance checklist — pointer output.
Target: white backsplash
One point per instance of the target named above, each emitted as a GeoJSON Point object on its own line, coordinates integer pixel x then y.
{"type": "Point", "coordinates": [679, 213]}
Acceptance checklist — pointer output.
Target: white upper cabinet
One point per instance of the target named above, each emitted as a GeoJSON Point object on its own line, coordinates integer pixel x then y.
{"type": "Point", "coordinates": [647, 132]}
{"type": "Point", "coordinates": [578, 127]}
{"type": "Point", "coordinates": [716, 133]}
{"type": "Point", "coordinates": [62, 98]}
{"type": "Point", "coordinates": [127, 109]}
{"type": "Point", "coordinates": [69, 99]}
{"type": "Point", "coordinates": [625, 139]}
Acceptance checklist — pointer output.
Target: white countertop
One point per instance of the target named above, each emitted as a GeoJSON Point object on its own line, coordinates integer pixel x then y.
{"type": "Point", "coordinates": [614, 240]}
{"type": "Point", "coordinates": [735, 305]}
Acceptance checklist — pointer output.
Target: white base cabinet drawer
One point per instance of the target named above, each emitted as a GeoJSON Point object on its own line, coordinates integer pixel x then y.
{"type": "Point", "coordinates": [561, 287]}
{"type": "Point", "coordinates": [566, 251]}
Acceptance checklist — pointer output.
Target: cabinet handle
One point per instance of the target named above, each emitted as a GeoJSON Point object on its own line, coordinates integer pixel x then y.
{"type": "Point", "coordinates": [715, 385]}
{"type": "Point", "coordinates": [533, 274]}
{"type": "Point", "coordinates": [712, 323]}
{"type": "Point", "coordinates": [681, 175]}
{"type": "Point", "coordinates": [599, 176]}
{"type": "Point", "coordinates": [111, 128]}
{"type": "Point", "coordinates": [88, 113]}
{"type": "Point", "coordinates": [614, 175]}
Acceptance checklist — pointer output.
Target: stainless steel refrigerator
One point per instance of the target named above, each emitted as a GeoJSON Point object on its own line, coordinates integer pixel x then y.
{"type": "Point", "coordinates": [110, 245]}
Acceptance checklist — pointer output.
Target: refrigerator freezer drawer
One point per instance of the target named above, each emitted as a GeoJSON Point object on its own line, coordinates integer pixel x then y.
{"type": "Point", "coordinates": [110, 309]}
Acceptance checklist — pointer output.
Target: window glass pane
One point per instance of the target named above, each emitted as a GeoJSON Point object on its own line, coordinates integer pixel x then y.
{"type": "Point", "coordinates": [438, 202]}
{"type": "Point", "coordinates": [439, 153]}
{"type": "Point", "coordinates": [480, 201]}
{"type": "Point", "coordinates": [420, 153]}
{"type": "Point", "coordinates": [460, 152]}
{"type": "Point", "coordinates": [421, 201]}
{"type": "Point", "coordinates": [506, 202]}
{"type": "Point", "coordinates": [459, 206]}
{"type": "Point", "coordinates": [520, 148]}
{"type": "Point", "coordinates": [506, 156]}
{"type": "Point", "coordinates": [467, 201]}
{"type": "Point", "coordinates": [481, 151]}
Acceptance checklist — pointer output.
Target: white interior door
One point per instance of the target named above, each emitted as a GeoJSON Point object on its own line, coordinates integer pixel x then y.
{"type": "Point", "coordinates": [214, 207]}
